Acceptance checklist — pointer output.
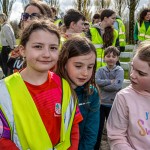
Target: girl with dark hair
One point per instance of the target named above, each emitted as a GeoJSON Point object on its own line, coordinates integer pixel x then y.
{"type": "Point", "coordinates": [77, 64]}
{"type": "Point", "coordinates": [103, 34]}
{"type": "Point", "coordinates": [142, 26]}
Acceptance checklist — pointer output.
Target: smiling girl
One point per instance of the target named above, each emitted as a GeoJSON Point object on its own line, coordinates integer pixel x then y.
{"type": "Point", "coordinates": [37, 109]}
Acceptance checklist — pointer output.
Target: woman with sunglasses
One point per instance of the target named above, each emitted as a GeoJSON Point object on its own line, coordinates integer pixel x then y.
{"type": "Point", "coordinates": [33, 10]}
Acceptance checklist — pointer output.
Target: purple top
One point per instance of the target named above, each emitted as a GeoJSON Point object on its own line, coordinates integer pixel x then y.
{"type": "Point", "coordinates": [4, 127]}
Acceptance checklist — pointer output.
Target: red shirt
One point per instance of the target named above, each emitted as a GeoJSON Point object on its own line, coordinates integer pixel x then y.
{"type": "Point", "coordinates": [47, 98]}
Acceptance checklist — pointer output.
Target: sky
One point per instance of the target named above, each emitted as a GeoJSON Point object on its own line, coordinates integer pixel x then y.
{"type": "Point", "coordinates": [64, 5]}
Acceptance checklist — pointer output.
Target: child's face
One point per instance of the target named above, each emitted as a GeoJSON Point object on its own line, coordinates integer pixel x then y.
{"type": "Point", "coordinates": [78, 27]}
{"type": "Point", "coordinates": [140, 75]}
{"type": "Point", "coordinates": [80, 69]}
{"type": "Point", "coordinates": [41, 51]}
{"type": "Point", "coordinates": [111, 60]}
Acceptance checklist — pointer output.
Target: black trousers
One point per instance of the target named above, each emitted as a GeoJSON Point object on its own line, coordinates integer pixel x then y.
{"type": "Point", "coordinates": [104, 113]}
{"type": "Point", "coordinates": [4, 58]}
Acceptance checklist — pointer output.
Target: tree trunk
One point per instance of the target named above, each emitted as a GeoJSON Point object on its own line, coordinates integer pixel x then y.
{"type": "Point", "coordinates": [131, 21]}
{"type": "Point", "coordinates": [79, 4]}
{"type": "Point", "coordinates": [102, 3]}
{"type": "Point", "coordinates": [5, 6]}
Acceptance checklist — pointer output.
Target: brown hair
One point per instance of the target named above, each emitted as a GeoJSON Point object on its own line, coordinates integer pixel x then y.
{"type": "Point", "coordinates": [38, 5]}
{"type": "Point", "coordinates": [142, 15]}
{"type": "Point", "coordinates": [143, 52]}
{"type": "Point", "coordinates": [47, 9]}
{"type": "Point", "coordinates": [38, 24]}
{"type": "Point", "coordinates": [72, 15]}
{"type": "Point", "coordinates": [108, 35]}
{"type": "Point", "coordinates": [76, 46]}
{"type": "Point", "coordinates": [112, 49]}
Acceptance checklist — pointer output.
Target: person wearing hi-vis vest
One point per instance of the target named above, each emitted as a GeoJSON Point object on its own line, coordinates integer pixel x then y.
{"type": "Point", "coordinates": [38, 111]}
{"type": "Point", "coordinates": [77, 64]}
{"type": "Point", "coordinates": [74, 24]}
{"type": "Point", "coordinates": [142, 26]}
{"type": "Point", "coordinates": [121, 40]}
{"type": "Point", "coordinates": [103, 34]}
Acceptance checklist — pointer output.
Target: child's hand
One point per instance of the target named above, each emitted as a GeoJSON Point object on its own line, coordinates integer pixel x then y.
{"type": "Point", "coordinates": [112, 81]}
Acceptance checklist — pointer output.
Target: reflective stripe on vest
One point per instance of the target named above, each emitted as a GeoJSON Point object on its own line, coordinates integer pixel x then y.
{"type": "Point", "coordinates": [143, 33]}
{"type": "Point", "coordinates": [100, 59]}
{"type": "Point", "coordinates": [26, 128]}
{"type": "Point", "coordinates": [98, 45]}
{"type": "Point", "coordinates": [121, 40]}
{"type": "Point", "coordinates": [121, 32]}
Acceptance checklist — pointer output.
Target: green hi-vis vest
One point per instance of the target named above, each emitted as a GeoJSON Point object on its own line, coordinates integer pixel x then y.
{"type": "Point", "coordinates": [27, 129]}
{"type": "Point", "coordinates": [98, 43]}
{"type": "Point", "coordinates": [121, 33]}
{"type": "Point", "coordinates": [143, 34]}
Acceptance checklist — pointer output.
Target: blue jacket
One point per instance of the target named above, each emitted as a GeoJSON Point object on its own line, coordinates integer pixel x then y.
{"type": "Point", "coordinates": [89, 108]}
{"type": "Point", "coordinates": [109, 90]}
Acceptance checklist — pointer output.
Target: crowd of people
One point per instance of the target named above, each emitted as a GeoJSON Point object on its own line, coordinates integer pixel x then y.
{"type": "Point", "coordinates": [64, 80]}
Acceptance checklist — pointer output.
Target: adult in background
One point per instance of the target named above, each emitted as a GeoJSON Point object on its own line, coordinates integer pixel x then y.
{"type": "Point", "coordinates": [103, 34]}
{"type": "Point", "coordinates": [32, 11]}
{"type": "Point", "coordinates": [142, 26]}
{"type": "Point", "coordinates": [121, 40]}
{"type": "Point", "coordinates": [8, 41]}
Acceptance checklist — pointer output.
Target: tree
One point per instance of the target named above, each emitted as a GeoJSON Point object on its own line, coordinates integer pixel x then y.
{"type": "Point", "coordinates": [99, 4]}
{"type": "Point", "coordinates": [79, 4]}
{"type": "Point", "coordinates": [54, 3]}
{"type": "Point", "coordinates": [6, 6]}
{"type": "Point", "coordinates": [119, 6]}
{"type": "Point", "coordinates": [85, 7]}
{"type": "Point", "coordinates": [132, 5]}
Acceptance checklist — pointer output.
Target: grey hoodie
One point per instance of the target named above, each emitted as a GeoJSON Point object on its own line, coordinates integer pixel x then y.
{"type": "Point", "coordinates": [109, 90]}
{"type": "Point", "coordinates": [7, 36]}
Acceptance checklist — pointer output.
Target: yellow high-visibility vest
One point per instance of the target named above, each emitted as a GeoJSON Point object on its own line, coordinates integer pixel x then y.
{"type": "Point", "coordinates": [121, 33]}
{"type": "Point", "coordinates": [143, 34]}
{"type": "Point", "coordinates": [30, 131]}
{"type": "Point", "coordinates": [98, 43]}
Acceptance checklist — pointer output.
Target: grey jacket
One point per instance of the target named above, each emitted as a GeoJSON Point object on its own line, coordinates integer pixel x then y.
{"type": "Point", "coordinates": [109, 90]}
{"type": "Point", "coordinates": [7, 36]}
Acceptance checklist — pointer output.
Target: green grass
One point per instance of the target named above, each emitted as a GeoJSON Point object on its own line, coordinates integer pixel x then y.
{"type": "Point", "coordinates": [126, 74]}
{"type": "Point", "coordinates": [128, 50]}
{"type": "Point", "coordinates": [124, 59]}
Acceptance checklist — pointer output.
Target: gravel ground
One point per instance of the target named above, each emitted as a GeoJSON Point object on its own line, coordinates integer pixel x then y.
{"type": "Point", "coordinates": [104, 143]}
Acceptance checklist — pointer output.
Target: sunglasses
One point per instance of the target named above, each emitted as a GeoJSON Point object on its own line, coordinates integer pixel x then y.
{"type": "Point", "coordinates": [25, 16]}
